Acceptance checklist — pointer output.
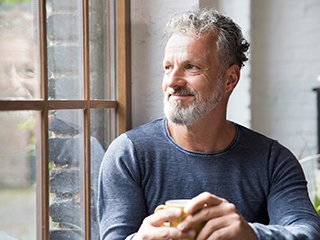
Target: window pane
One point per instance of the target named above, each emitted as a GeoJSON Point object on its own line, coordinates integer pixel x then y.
{"type": "Point", "coordinates": [102, 74]}
{"type": "Point", "coordinates": [18, 48]}
{"type": "Point", "coordinates": [102, 132]}
{"type": "Point", "coordinates": [65, 52]}
{"type": "Point", "coordinates": [66, 160]}
{"type": "Point", "coordinates": [17, 175]}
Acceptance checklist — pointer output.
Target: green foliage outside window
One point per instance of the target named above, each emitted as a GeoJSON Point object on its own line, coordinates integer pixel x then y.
{"type": "Point", "coordinates": [317, 204]}
{"type": "Point", "coordinates": [11, 2]}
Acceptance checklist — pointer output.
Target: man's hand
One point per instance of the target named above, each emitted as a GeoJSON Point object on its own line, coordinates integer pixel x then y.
{"type": "Point", "coordinates": [154, 227]}
{"type": "Point", "coordinates": [221, 217]}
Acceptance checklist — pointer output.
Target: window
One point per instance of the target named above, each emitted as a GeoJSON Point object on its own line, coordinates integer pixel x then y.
{"type": "Point", "coordinates": [65, 94]}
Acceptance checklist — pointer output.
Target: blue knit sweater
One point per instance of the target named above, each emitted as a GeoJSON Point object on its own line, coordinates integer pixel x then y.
{"type": "Point", "coordinates": [145, 167]}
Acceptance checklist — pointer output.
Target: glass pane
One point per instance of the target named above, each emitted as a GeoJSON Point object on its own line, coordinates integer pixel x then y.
{"type": "Point", "coordinates": [102, 132]}
{"type": "Point", "coordinates": [18, 47]}
{"type": "Point", "coordinates": [66, 160]}
{"type": "Point", "coordinates": [102, 72]}
{"type": "Point", "coordinates": [65, 52]}
{"type": "Point", "coordinates": [18, 175]}
{"type": "Point", "coordinates": [311, 168]}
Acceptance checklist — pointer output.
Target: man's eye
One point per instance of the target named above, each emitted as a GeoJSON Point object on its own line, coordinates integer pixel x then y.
{"type": "Point", "coordinates": [167, 67]}
{"type": "Point", "coordinates": [25, 71]}
{"type": "Point", "coordinates": [191, 67]}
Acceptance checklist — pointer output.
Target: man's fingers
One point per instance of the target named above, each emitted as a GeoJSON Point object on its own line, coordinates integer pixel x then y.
{"type": "Point", "coordinates": [164, 215]}
{"type": "Point", "coordinates": [202, 200]}
{"type": "Point", "coordinates": [216, 209]}
{"type": "Point", "coordinates": [222, 233]}
{"type": "Point", "coordinates": [159, 228]}
{"type": "Point", "coordinates": [206, 214]}
{"type": "Point", "coordinates": [213, 226]}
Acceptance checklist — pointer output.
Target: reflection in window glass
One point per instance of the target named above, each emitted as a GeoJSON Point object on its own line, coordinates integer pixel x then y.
{"type": "Point", "coordinates": [65, 49]}
{"type": "Point", "coordinates": [20, 182]}
{"type": "Point", "coordinates": [102, 66]}
{"type": "Point", "coordinates": [102, 132]}
{"type": "Point", "coordinates": [18, 48]}
{"type": "Point", "coordinates": [18, 175]}
{"type": "Point", "coordinates": [66, 181]}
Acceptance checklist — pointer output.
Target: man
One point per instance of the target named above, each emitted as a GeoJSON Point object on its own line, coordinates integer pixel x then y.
{"type": "Point", "coordinates": [243, 185]}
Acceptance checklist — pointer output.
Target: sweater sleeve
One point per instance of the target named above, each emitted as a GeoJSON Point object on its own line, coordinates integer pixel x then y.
{"type": "Point", "coordinates": [121, 204]}
{"type": "Point", "coordinates": [291, 213]}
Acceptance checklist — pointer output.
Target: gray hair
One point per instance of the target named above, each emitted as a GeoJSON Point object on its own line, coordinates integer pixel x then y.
{"type": "Point", "coordinates": [231, 45]}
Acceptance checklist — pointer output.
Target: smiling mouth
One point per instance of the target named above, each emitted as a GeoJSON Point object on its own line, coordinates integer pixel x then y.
{"type": "Point", "coordinates": [180, 95]}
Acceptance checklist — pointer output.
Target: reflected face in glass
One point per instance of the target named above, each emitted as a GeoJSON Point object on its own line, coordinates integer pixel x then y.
{"type": "Point", "coordinates": [192, 84]}
{"type": "Point", "coordinates": [17, 69]}
{"type": "Point", "coordinates": [17, 81]}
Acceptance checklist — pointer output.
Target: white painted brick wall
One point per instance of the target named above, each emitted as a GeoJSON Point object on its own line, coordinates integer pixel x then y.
{"type": "Point", "coordinates": [285, 64]}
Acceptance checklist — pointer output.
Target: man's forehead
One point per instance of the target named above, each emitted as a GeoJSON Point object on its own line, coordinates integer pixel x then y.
{"type": "Point", "coordinates": [184, 40]}
{"type": "Point", "coordinates": [190, 45]}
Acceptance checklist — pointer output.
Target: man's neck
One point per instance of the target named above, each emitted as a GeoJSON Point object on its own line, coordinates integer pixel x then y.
{"type": "Point", "coordinates": [206, 135]}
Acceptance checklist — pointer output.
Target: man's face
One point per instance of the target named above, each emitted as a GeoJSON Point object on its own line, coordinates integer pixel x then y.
{"type": "Point", "coordinates": [18, 78]}
{"type": "Point", "coordinates": [192, 83]}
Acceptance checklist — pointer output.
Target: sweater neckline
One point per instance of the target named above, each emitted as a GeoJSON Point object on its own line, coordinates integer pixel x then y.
{"type": "Point", "coordinates": [227, 149]}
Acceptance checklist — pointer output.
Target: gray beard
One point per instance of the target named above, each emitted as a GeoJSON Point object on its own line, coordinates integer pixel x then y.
{"type": "Point", "coordinates": [190, 114]}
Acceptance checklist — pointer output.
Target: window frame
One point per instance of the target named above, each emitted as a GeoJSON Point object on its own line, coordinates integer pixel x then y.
{"type": "Point", "coordinates": [122, 105]}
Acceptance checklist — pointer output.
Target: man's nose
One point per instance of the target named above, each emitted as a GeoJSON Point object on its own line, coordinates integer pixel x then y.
{"type": "Point", "coordinates": [175, 78]}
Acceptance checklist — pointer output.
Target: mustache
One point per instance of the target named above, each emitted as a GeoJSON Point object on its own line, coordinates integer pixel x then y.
{"type": "Point", "coordinates": [182, 91]}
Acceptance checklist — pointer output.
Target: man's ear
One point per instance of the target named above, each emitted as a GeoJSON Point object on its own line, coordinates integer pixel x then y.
{"type": "Point", "coordinates": [232, 77]}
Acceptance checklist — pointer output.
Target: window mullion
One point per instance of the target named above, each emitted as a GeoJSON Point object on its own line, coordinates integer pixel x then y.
{"type": "Point", "coordinates": [87, 157]}
{"type": "Point", "coordinates": [43, 170]}
{"type": "Point", "coordinates": [123, 64]}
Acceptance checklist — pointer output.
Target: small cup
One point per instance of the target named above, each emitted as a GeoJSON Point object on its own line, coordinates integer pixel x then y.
{"type": "Point", "coordinates": [179, 203]}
